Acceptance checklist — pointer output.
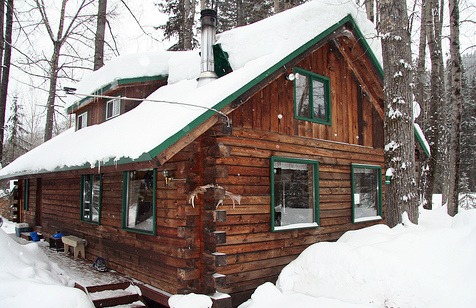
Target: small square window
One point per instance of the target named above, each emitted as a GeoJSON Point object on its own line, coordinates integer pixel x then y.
{"type": "Point", "coordinates": [139, 205]}
{"type": "Point", "coordinates": [82, 121]}
{"type": "Point", "coordinates": [113, 108]}
{"type": "Point", "coordinates": [91, 190]}
{"type": "Point", "coordinates": [294, 193]}
{"type": "Point", "coordinates": [366, 192]}
{"type": "Point", "coordinates": [312, 97]}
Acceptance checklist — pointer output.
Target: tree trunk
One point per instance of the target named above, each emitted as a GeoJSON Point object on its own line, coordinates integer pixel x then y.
{"type": "Point", "coordinates": [50, 106]}
{"type": "Point", "coordinates": [421, 98]}
{"type": "Point", "coordinates": [188, 18]}
{"type": "Point", "coordinates": [401, 194]}
{"type": "Point", "coordinates": [5, 70]}
{"type": "Point", "coordinates": [456, 103]}
{"type": "Point", "coordinates": [435, 128]}
{"type": "Point", "coordinates": [100, 34]}
{"type": "Point", "coordinates": [370, 9]}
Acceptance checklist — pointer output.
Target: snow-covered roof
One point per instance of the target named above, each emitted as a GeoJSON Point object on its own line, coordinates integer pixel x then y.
{"type": "Point", "coordinates": [254, 52]}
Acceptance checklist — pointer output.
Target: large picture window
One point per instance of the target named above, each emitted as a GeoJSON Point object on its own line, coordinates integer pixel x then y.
{"type": "Point", "coordinates": [91, 191]}
{"type": "Point", "coordinates": [113, 108]}
{"type": "Point", "coordinates": [294, 193]}
{"type": "Point", "coordinates": [139, 200]}
{"type": "Point", "coordinates": [312, 97]}
{"type": "Point", "coordinates": [366, 192]}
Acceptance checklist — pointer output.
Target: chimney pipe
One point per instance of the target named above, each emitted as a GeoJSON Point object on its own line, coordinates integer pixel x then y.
{"type": "Point", "coordinates": [207, 66]}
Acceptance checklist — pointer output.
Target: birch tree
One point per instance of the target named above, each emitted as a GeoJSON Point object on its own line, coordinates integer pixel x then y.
{"type": "Point", "coordinates": [435, 128]}
{"type": "Point", "coordinates": [401, 194]}
{"type": "Point", "coordinates": [456, 103]}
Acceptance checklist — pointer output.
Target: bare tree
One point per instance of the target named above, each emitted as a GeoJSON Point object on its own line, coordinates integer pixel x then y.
{"type": "Point", "coordinates": [456, 104]}
{"type": "Point", "coordinates": [401, 194]}
{"type": "Point", "coordinates": [67, 25]}
{"type": "Point", "coordinates": [6, 44]}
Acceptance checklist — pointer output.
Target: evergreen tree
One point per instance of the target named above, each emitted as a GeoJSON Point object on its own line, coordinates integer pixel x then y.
{"type": "Point", "coordinates": [16, 144]}
{"type": "Point", "coordinates": [180, 24]}
{"type": "Point", "coordinates": [235, 13]}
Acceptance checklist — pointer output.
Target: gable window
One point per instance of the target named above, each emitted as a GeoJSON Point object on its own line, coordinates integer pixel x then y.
{"type": "Point", "coordinates": [294, 193]}
{"type": "Point", "coordinates": [26, 194]}
{"type": "Point", "coordinates": [82, 121]}
{"type": "Point", "coordinates": [139, 205]}
{"type": "Point", "coordinates": [113, 108]}
{"type": "Point", "coordinates": [312, 97]}
{"type": "Point", "coordinates": [91, 191]}
{"type": "Point", "coordinates": [366, 192]}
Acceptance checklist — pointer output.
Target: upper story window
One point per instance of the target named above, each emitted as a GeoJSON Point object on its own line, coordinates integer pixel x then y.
{"type": "Point", "coordinates": [312, 97]}
{"type": "Point", "coordinates": [82, 121]}
{"type": "Point", "coordinates": [139, 194]}
{"type": "Point", "coordinates": [91, 188]}
{"type": "Point", "coordinates": [366, 192]}
{"type": "Point", "coordinates": [113, 108]}
{"type": "Point", "coordinates": [294, 193]}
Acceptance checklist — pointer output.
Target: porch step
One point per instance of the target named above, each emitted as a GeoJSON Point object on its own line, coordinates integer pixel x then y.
{"type": "Point", "coordinates": [118, 295]}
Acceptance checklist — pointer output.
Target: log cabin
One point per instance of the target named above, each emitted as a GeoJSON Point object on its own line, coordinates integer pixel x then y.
{"type": "Point", "coordinates": [209, 172]}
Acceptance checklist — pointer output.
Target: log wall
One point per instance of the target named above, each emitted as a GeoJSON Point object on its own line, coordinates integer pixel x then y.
{"type": "Point", "coordinates": [253, 253]}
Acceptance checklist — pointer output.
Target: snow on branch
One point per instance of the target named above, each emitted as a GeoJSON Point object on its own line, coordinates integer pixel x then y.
{"type": "Point", "coordinates": [220, 193]}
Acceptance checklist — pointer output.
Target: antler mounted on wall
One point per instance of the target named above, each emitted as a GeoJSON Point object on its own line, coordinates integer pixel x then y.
{"type": "Point", "coordinates": [221, 193]}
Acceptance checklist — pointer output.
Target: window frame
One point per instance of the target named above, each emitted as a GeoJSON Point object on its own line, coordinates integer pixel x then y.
{"type": "Point", "coordinates": [81, 198]}
{"type": "Point", "coordinates": [316, 207]}
{"type": "Point", "coordinates": [26, 194]}
{"type": "Point", "coordinates": [327, 96]}
{"type": "Point", "coordinates": [125, 198]}
{"type": "Point", "coordinates": [113, 101]}
{"type": "Point", "coordinates": [379, 192]}
{"type": "Point", "coordinates": [79, 120]}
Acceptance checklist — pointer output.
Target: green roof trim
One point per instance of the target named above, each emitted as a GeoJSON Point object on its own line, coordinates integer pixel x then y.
{"type": "Point", "coordinates": [233, 96]}
{"type": "Point", "coordinates": [111, 86]}
{"type": "Point", "coordinates": [421, 142]}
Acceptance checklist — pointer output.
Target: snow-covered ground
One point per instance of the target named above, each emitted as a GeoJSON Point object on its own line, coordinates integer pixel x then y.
{"type": "Point", "coordinates": [425, 265]}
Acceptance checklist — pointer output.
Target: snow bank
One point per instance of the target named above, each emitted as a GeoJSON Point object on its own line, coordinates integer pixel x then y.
{"type": "Point", "coordinates": [190, 301]}
{"type": "Point", "coordinates": [425, 265]}
{"type": "Point", "coordinates": [27, 278]}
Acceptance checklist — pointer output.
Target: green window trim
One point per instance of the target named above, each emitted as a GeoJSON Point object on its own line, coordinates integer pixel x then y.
{"type": "Point", "coordinates": [313, 195]}
{"type": "Point", "coordinates": [26, 194]}
{"type": "Point", "coordinates": [92, 178]}
{"type": "Point", "coordinates": [126, 207]}
{"type": "Point", "coordinates": [313, 81]}
{"type": "Point", "coordinates": [360, 215]}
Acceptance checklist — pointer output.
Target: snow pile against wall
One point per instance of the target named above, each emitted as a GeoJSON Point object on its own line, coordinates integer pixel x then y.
{"type": "Point", "coordinates": [254, 51]}
{"type": "Point", "coordinates": [425, 265]}
{"type": "Point", "coordinates": [28, 278]}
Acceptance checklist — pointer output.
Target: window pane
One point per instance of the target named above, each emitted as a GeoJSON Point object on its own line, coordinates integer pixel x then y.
{"type": "Point", "coordinates": [319, 101]}
{"type": "Point", "coordinates": [87, 198]}
{"type": "Point", "coordinates": [91, 197]}
{"type": "Point", "coordinates": [82, 120]}
{"type": "Point", "coordinates": [366, 193]}
{"type": "Point", "coordinates": [140, 200]}
{"type": "Point", "coordinates": [302, 96]}
{"type": "Point", "coordinates": [293, 193]}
